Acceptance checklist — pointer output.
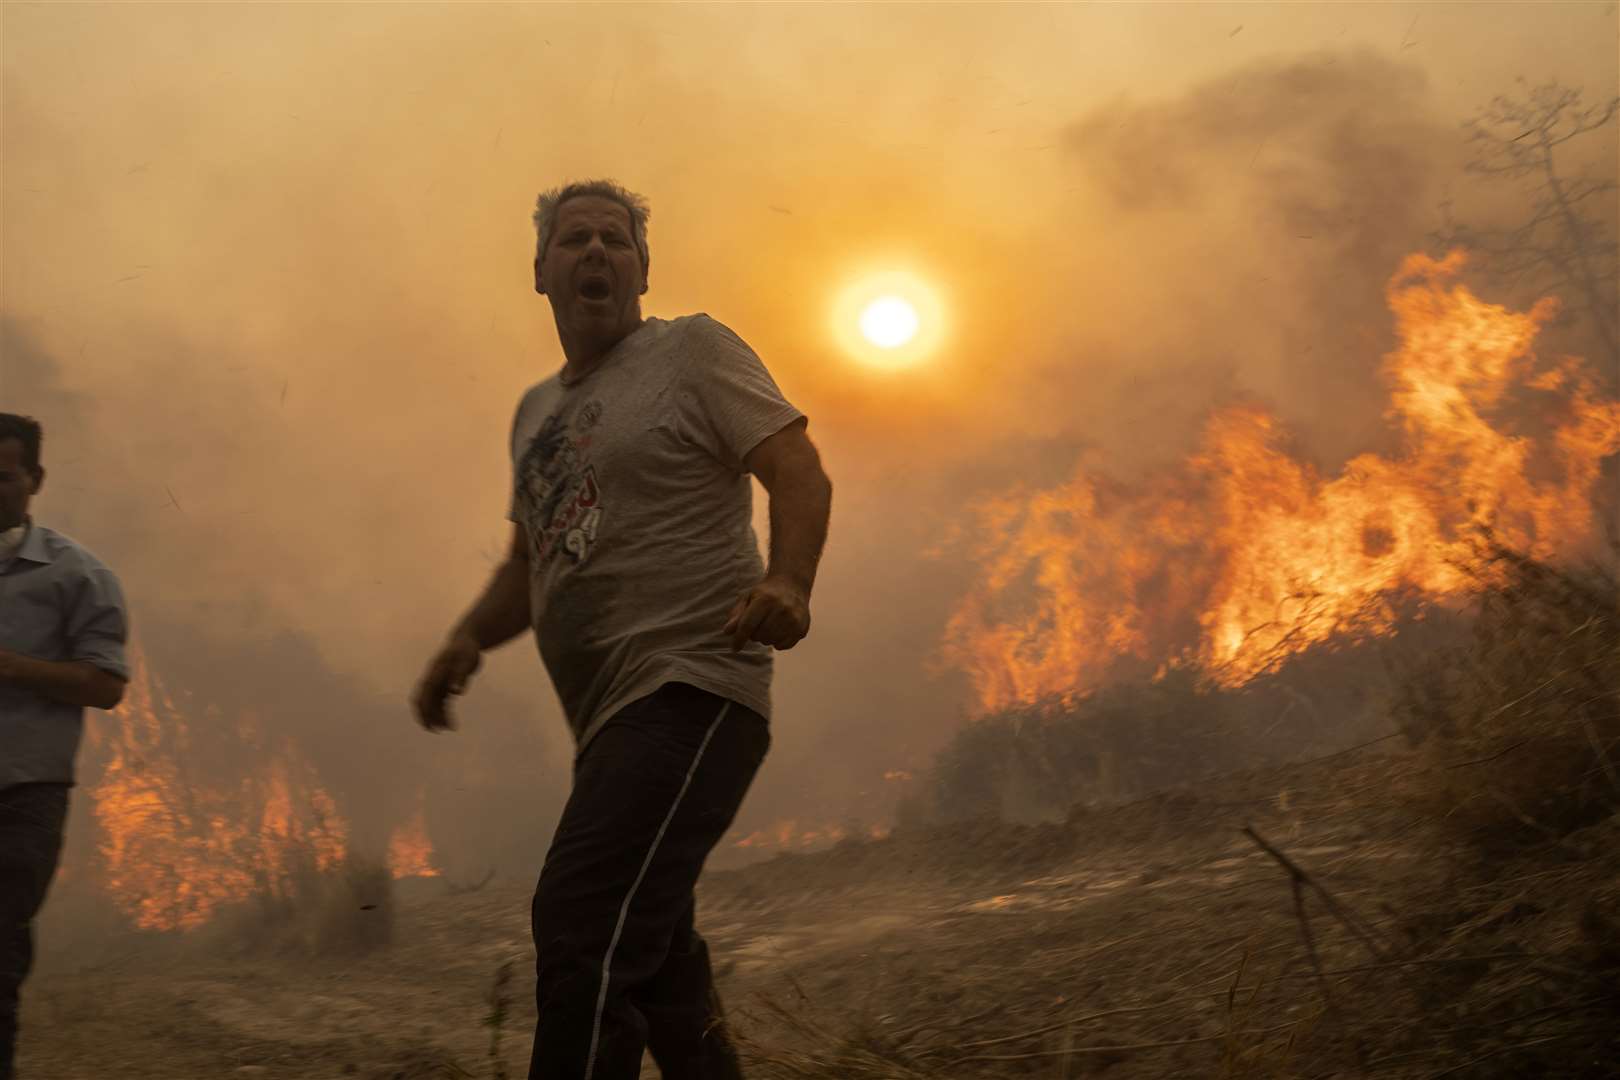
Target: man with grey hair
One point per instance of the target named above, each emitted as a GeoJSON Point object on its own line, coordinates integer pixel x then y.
{"type": "Point", "coordinates": [634, 562]}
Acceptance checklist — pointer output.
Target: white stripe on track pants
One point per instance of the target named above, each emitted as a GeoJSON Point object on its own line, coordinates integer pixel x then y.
{"type": "Point", "coordinates": [620, 965]}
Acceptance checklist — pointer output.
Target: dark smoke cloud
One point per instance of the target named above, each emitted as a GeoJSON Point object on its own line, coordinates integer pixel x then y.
{"type": "Point", "coordinates": [1257, 217]}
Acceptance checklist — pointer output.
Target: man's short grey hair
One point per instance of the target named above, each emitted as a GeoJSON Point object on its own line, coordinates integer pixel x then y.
{"type": "Point", "coordinates": [549, 202]}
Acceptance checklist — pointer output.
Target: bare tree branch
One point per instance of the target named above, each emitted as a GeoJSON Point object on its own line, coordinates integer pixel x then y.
{"type": "Point", "coordinates": [1514, 137]}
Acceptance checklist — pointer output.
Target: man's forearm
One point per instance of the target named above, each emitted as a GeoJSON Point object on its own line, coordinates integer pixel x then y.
{"type": "Point", "coordinates": [800, 507]}
{"type": "Point", "coordinates": [502, 612]}
{"type": "Point", "coordinates": [72, 682]}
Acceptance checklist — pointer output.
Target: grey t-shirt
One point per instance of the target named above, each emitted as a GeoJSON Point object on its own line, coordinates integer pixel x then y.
{"type": "Point", "coordinates": [631, 488]}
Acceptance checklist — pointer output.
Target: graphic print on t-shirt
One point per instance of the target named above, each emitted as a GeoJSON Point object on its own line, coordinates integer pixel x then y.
{"type": "Point", "coordinates": [557, 491]}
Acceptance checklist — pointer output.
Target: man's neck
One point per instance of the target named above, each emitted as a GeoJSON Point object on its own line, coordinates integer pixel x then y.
{"type": "Point", "coordinates": [583, 355]}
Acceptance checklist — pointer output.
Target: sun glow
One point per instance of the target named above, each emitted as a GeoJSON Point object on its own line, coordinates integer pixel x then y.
{"type": "Point", "coordinates": [889, 320]}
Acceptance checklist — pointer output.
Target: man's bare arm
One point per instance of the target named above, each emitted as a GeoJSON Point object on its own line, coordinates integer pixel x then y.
{"type": "Point", "coordinates": [72, 682]}
{"type": "Point", "coordinates": [777, 610]}
{"type": "Point", "coordinates": [789, 467]}
{"type": "Point", "coordinates": [500, 614]}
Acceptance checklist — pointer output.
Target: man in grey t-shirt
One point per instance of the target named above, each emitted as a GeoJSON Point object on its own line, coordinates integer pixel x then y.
{"type": "Point", "coordinates": [634, 562]}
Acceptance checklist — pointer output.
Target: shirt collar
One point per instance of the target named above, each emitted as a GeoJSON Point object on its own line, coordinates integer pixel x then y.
{"type": "Point", "coordinates": [33, 546]}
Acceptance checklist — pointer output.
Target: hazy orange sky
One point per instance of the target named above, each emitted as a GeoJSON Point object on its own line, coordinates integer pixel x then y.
{"type": "Point", "coordinates": [277, 259]}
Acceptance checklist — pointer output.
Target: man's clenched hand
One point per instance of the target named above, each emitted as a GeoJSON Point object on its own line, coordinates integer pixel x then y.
{"type": "Point", "coordinates": [775, 612]}
{"type": "Point", "coordinates": [447, 674]}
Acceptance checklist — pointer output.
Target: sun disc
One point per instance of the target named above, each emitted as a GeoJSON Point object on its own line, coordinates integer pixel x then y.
{"type": "Point", "coordinates": [889, 322]}
{"type": "Point", "coordinates": [889, 319]}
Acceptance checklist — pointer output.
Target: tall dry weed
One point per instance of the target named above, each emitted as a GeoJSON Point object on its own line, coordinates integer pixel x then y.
{"type": "Point", "coordinates": [1521, 722]}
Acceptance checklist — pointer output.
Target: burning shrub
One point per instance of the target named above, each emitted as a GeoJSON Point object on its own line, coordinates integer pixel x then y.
{"type": "Point", "coordinates": [1523, 719]}
{"type": "Point", "coordinates": [229, 819]}
{"type": "Point", "coordinates": [1246, 555]}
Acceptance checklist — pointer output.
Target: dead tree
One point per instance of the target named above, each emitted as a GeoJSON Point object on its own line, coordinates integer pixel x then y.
{"type": "Point", "coordinates": [1567, 242]}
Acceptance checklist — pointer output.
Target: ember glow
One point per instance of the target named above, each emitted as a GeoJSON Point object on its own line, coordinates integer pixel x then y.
{"type": "Point", "coordinates": [177, 844]}
{"type": "Point", "coordinates": [794, 835]}
{"type": "Point", "coordinates": [1245, 554]}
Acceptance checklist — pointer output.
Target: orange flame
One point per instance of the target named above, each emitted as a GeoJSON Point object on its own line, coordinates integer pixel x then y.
{"type": "Point", "coordinates": [174, 850]}
{"type": "Point", "coordinates": [410, 853]}
{"type": "Point", "coordinates": [1245, 555]}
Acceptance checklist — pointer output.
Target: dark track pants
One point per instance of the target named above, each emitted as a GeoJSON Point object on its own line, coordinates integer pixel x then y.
{"type": "Point", "coordinates": [620, 966]}
{"type": "Point", "coordinates": [31, 820]}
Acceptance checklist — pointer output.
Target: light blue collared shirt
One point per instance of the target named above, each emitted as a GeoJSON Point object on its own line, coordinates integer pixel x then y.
{"type": "Point", "coordinates": [57, 602]}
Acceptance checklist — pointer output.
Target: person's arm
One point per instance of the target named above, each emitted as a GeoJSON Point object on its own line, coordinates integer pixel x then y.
{"type": "Point", "coordinates": [776, 612]}
{"type": "Point", "coordinates": [500, 614]}
{"type": "Point", "coordinates": [72, 682]}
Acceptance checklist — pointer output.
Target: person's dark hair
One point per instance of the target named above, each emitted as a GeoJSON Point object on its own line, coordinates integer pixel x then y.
{"type": "Point", "coordinates": [26, 430]}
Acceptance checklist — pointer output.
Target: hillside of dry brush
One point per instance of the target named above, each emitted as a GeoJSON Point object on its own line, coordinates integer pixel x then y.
{"type": "Point", "coordinates": [1440, 901]}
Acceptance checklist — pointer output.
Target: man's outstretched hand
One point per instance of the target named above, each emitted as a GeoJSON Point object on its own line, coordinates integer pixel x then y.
{"type": "Point", "coordinates": [447, 674]}
{"type": "Point", "coordinates": [775, 612]}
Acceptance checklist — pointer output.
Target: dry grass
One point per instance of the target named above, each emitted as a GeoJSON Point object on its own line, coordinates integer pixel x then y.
{"type": "Point", "coordinates": [1523, 721]}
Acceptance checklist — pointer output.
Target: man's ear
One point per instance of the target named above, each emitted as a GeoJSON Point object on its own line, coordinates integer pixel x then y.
{"type": "Point", "coordinates": [646, 275]}
{"type": "Point", "coordinates": [539, 285]}
{"type": "Point", "coordinates": [39, 482]}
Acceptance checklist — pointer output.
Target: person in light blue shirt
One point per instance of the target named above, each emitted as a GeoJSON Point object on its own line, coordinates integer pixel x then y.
{"type": "Point", "coordinates": [63, 627]}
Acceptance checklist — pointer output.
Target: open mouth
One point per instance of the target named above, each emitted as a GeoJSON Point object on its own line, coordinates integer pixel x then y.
{"type": "Point", "coordinates": [595, 288]}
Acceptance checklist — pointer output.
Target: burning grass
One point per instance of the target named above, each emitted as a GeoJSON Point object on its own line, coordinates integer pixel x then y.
{"type": "Point", "coordinates": [212, 819]}
{"type": "Point", "coordinates": [1447, 909]}
{"type": "Point", "coordinates": [1246, 553]}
